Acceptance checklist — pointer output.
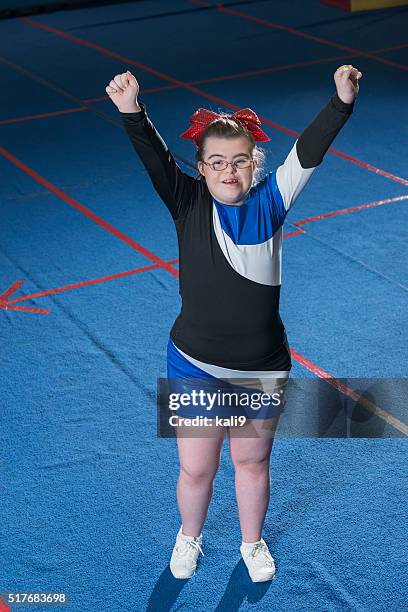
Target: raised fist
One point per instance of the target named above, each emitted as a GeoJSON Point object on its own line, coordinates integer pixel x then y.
{"type": "Point", "coordinates": [346, 78]}
{"type": "Point", "coordinates": [123, 91]}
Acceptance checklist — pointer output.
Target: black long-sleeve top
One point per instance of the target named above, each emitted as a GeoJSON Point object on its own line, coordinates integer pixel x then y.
{"type": "Point", "coordinates": [230, 256]}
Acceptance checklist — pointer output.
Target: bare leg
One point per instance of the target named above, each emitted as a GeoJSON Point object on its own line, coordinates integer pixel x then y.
{"type": "Point", "coordinates": [251, 457]}
{"type": "Point", "coordinates": [199, 460]}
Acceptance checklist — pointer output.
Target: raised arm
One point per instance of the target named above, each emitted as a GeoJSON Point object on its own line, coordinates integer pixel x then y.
{"type": "Point", "coordinates": [176, 189]}
{"type": "Point", "coordinates": [310, 148]}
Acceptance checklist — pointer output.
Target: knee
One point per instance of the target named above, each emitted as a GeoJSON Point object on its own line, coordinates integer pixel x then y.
{"type": "Point", "coordinates": [198, 474]}
{"type": "Point", "coordinates": [254, 467]}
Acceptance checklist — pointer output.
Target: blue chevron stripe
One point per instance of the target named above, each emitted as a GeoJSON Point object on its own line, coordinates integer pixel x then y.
{"type": "Point", "coordinates": [259, 218]}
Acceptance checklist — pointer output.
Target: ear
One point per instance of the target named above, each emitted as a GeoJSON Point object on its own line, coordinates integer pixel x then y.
{"type": "Point", "coordinates": [255, 163]}
{"type": "Point", "coordinates": [200, 166]}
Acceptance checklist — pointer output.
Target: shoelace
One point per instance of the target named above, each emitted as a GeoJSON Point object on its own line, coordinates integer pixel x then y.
{"type": "Point", "coordinates": [190, 545]}
{"type": "Point", "coordinates": [260, 548]}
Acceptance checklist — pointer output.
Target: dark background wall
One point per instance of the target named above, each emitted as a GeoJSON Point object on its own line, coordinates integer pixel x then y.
{"type": "Point", "coordinates": [8, 8]}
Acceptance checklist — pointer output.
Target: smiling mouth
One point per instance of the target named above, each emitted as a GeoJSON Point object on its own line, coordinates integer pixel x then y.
{"type": "Point", "coordinates": [233, 182]}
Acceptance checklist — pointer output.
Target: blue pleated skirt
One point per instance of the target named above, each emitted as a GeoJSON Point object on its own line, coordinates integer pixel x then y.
{"type": "Point", "coordinates": [212, 391]}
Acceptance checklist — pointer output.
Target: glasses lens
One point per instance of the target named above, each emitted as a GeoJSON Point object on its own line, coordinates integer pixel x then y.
{"type": "Point", "coordinates": [243, 162]}
{"type": "Point", "coordinates": [220, 164]}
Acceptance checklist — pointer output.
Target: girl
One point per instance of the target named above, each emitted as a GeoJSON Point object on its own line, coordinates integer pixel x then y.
{"type": "Point", "coordinates": [229, 231]}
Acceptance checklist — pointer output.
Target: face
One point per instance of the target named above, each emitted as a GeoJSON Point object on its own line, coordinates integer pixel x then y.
{"type": "Point", "coordinates": [229, 186]}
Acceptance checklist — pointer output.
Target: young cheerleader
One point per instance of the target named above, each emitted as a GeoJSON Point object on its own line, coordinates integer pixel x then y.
{"type": "Point", "coordinates": [229, 231]}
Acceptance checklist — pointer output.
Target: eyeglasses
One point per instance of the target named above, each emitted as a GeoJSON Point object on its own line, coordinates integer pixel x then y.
{"type": "Point", "coordinates": [222, 164]}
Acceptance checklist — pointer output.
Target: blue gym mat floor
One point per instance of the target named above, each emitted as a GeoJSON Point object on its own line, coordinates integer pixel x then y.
{"type": "Point", "coordinates": [86, 304]}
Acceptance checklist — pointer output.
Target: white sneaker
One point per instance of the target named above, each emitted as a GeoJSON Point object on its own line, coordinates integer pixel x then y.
{"type": "Point", "coordinates": [186, 550]}
{"type": "Point", "coordinates": [259, 561]}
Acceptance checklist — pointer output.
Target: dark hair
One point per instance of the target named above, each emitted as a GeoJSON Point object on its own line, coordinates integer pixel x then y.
{"type": "Point", "coordinates": [225, 127]}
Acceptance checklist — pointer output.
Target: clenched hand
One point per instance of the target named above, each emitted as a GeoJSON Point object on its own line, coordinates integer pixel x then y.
{"type": "Point", "coordinates": [346, 78]}
{"type": "Point", "coordinates": [123, 91]}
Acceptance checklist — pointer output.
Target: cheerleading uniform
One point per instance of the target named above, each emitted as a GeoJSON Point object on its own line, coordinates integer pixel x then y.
{"type": "Point", "coordinates": [230, 256]}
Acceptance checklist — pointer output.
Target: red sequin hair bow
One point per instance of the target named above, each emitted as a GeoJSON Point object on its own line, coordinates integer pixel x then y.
{"type": "Point", "coordinates": [202, 118]}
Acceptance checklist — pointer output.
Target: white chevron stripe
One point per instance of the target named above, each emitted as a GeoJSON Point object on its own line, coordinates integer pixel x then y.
{"type": "Point", "coordinates": [260, 263]}
{"type": "Point", "coordinates": [291, 178]}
